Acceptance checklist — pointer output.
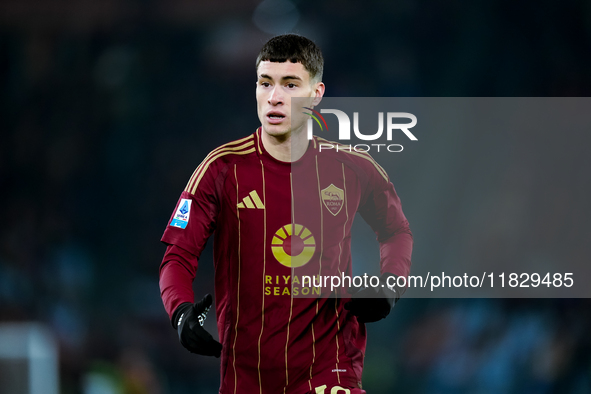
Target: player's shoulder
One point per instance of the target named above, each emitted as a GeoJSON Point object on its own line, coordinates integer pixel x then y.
{"type": "Point", "coordinates": [220, 158]}
{"type": "Point", "coordinates": [349, 155]}
{"type": "Point", "coordinates": [232, 150]}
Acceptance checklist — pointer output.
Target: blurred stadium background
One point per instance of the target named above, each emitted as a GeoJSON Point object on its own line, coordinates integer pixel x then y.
{"type": "Point", "coordinates": [107, 107]}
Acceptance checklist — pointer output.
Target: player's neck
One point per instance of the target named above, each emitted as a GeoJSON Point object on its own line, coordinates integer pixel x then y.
{"type": "Point", "coordinates": [288, 148]}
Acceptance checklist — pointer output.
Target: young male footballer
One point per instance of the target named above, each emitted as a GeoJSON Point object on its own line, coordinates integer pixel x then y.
{"type": "Point", "coordinates": [267, 223]}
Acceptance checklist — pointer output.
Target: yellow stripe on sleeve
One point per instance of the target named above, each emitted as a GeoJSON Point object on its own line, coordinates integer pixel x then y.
{"type": "Point", "coordinates": [192, 188]}
{"type": "Point", "coordinates": [213, 152]}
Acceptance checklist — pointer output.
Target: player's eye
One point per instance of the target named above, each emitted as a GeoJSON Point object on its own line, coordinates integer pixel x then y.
{"type": "Point", "coordinates": [291, 85]}
{"type": "Point", "coordinates": [265, 84]}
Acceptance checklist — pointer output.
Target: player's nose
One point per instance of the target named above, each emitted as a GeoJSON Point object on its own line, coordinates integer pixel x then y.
{"type": "Point", "coordinates": [276, 96]}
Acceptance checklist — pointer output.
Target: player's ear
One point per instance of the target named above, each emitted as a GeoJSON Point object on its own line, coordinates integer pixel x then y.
{"type": "Point", "coordinates": [319, 93]}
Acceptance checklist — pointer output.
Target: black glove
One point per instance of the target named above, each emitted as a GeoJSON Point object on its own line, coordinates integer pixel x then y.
{"type": "Point", "coordinates": [374, 303]}
{"type": "Point", "coordinates": [188, 319]}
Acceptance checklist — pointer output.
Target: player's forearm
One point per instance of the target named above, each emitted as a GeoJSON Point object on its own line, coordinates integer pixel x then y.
{"type": "Point", "coordinates": [177, 273]}
{"type": "Point", "coordinates": [175, 286]}
{"type": "Point", "coordinates": [396, 251]}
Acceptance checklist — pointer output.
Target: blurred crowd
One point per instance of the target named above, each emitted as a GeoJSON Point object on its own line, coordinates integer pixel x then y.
{"type": "Point", "coordinates": [498, 346]}
{"type": "Point", "coordinates": [102, 124]}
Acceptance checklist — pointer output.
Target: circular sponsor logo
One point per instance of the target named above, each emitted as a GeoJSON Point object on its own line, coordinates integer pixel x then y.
{"type": "Point", "coordinates": [293, 245]}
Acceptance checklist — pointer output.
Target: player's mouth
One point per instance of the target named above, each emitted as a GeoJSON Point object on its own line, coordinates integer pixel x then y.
{"type": "Point", "coordinates": [275, 117]}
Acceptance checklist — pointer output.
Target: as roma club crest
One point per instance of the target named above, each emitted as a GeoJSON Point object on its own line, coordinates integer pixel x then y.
{"type": "Point", "coordinates": [333, 199]}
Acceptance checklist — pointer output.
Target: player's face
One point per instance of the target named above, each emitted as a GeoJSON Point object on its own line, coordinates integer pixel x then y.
{"type": "Point", "coordinates": [277, 83]}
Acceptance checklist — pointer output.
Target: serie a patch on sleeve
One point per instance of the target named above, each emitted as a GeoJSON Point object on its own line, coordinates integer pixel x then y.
{"type": "Point", "coordinates": [181, 216]}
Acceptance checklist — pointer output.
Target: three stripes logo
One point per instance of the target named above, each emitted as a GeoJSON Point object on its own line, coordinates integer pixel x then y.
{"type": "Point", "coordinates": [252, 201]}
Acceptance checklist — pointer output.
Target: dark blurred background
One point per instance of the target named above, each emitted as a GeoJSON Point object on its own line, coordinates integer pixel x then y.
{"type": "Point", "coordinates": [107, 107]}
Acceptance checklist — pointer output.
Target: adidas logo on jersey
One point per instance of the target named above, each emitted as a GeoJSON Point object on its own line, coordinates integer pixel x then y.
{"type": "Point", "coordinates": [251, 201]}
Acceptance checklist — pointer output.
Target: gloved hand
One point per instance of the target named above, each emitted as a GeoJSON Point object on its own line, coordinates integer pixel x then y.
{"type": "Point", "coordinates": [374, 303]}
{"type": "Point", "coordinates": [188, 319]}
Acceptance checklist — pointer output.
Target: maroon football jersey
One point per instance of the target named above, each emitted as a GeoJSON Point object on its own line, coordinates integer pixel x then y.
{"type": "Point", "coordinates": [274, 222]}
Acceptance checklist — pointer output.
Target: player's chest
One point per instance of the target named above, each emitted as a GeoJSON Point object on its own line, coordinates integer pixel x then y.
{"type": "Point", "coordinates": [254, 193]}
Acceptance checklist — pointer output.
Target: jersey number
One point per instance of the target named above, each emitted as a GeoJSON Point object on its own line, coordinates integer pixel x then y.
{"type": "Point", "coordinates": [334, 390]}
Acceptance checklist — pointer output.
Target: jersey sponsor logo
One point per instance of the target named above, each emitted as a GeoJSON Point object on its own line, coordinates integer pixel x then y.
{"type": "Point", "coordinates": [287, 285]}
{"type": "Point", "coordinates": [293, 245]}
{"type": "Point", "coordinates": [181, 216]}
{"type": "Point", "coordinates": [251, 201]}
{"type": "Point", "coordinates": [333, 199]}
